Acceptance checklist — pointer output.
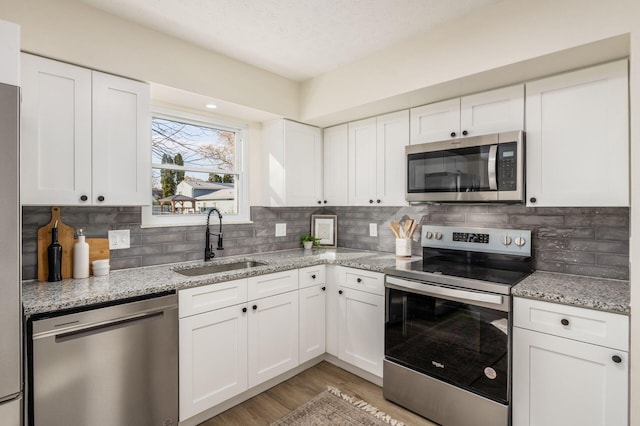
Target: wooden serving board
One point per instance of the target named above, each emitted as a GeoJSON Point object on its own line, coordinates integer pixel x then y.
{"type": "Point", "coordinates": [98, 249]}
{"type": "Point", "coordinates": [65, 238]}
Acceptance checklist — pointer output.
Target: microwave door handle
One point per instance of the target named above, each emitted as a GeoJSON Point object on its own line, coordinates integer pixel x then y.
{"type": "Point", "coordinates": [493, 154]}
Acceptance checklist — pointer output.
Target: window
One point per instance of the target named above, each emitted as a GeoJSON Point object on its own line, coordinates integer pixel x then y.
{"type": "Point", "coordinates": [196, 164]}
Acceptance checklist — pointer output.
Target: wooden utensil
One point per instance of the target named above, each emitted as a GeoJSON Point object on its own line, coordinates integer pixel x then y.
{"type": "Point", "coordinates": [395, 227]}
{"type": "Point", "coordinates": [65, 237]}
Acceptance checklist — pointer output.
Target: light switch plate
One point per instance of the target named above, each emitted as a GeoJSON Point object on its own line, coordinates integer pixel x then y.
{"type": "Point", "coordinates": [281, 229]}
{"type": "Point", "coordinates": [119, 239]}
{"type": "Point", "coordinates": [373, 229]}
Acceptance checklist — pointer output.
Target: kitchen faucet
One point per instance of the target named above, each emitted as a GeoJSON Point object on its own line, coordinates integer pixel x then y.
{"type": "Point", "coordinates": [208, 253]}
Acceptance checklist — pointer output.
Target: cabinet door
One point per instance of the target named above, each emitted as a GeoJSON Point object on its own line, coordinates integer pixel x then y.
{"type": "Point", "coordinates": [361, 329]}
{"type": "Point", "coordinates": [10, 53]}
{"type": "Point", "coordinates": [362, 162]}
{"type": "Point", "coordinates": [435, 122]}
{"type": "Point", "coordinates": [332, 311]}
{"type": "Point", "coordinates": [500, 110]}
{"type": "Point", "coordinates": [312, 322]}
{"type": "Point", "coordinates": [578, 138]}
{"type": "Point", "coordinates": [392, 137]}
{"type": "Point", "coordinates": [336, 146]}
{"type": "Point", "coordinates": [121, 141]}
{"type": "Point", "coordinates": [55, 158]}
{"type": "Point", "coordinates": [303, 164]}
{"type": "Point", "coordinates": [273, 336]}
{"type": "Point", "coordinates": [559, 382]}
{"type": "Point", "coordinates": [213, 359]}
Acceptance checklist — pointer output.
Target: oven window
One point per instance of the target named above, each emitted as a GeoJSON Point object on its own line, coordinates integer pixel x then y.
{"type": "Point", "coordinates": [455, 170]}
{"type": "Point", "coordinates": [461, 344]}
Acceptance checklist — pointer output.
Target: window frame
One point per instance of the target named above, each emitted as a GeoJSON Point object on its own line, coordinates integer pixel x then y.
{"type": "Point", "coordinates": [150, 220]}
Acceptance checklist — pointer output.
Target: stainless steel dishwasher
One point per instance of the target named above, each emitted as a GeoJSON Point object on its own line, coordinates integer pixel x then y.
{"type": "Point", "coordinates": [115, 365]}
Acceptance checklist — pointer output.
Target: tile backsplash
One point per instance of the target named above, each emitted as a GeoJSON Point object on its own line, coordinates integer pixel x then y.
{"type": "Point", "coordinates": [582, 241]}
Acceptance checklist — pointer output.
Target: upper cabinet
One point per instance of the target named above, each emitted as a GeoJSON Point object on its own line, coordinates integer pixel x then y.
{"type": "Point", "coordinates": [494, 111]}
{"type": "Point", "coordinates": [85, 136]}
{"type": "Point", "coordinates": [578, 138]}
{"type": "Point", "coordinates": [9, 53]}
{"type": "Point", "coordinates": [293, 155]}
{"type": "Point", "coordinates": [376, 159]}
{"type": "Point", "coordinates": [335, 162]}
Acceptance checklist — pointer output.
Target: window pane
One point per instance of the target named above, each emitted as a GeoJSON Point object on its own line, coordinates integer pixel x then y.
{"type": "Point", "coordinates": [178, 192]}
{"type": "Point", "coordinates": [173, 142]}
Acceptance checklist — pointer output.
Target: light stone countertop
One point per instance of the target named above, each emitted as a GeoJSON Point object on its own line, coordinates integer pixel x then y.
{"type": "Point", "coordinates": [585, 292]}
{"type": "Point", "coordinates": [46, 297]}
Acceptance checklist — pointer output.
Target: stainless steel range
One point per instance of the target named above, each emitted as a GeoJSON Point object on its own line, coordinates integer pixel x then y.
{"type": "Point", "coordinates": [448, 325]}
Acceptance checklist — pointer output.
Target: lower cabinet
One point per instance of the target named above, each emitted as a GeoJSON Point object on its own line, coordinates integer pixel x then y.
{"type": "Point", "coordinates": [562, 374]}
{"type": "Point", "coordinates": [312, 329]}
{"type": "Point", "coordinates": [273, 336]}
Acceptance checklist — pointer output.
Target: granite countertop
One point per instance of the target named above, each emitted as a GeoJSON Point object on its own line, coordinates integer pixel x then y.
{"type": "Point", "coordinates": [586, 292]}
{"type": "Point", "coordinates": [45, 297]}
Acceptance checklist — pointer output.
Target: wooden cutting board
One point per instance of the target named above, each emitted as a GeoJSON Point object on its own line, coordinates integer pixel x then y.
{"type": "Point", "coordinates": [65, 238]}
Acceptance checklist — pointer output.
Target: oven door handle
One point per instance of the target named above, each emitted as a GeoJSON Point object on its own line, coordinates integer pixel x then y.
{"type": "Point", "coordinates": [433, 290]}
{"type": "Point", "coordinates": [491, 166]}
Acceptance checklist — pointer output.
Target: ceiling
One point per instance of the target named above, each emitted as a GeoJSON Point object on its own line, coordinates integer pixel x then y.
{"type": "Point", "coordinates": [297, 39]}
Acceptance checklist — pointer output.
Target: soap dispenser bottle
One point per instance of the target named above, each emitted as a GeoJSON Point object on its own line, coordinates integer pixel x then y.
{"type": "Point", "coordinates": [54, 256]}
{"type": "Point", "coordinates": [81, 257]}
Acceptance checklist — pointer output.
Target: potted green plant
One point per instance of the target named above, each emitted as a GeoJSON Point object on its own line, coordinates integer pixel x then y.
{"type": "Point", "coordinates": [309, 241]}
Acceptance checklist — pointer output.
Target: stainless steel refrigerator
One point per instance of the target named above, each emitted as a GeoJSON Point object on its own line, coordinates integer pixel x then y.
{"type": "Point", "coordinates": [11, 382]}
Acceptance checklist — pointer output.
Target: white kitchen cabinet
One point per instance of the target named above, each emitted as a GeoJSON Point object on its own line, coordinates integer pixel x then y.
{"type": "Point", "coordinates": [293, 169]}
{"type": "Point", "coordinates": [9, 53]}
{"type": "Point", "coordinates": [85, 136]}
{"type": "Point", "coordinates": [494, 111]}
{"type": "Point", "coordinates": [376, 159]}
{"type": "Point", "coordinates": [273, 336]}
{"type": "Point", "coordinates": [312, 322]}
{"type": "Point", "coordinates": [559, 376]}
{"type": "Point", "coordinates": [213, 358]}
{"type": "Point", "coordinates": [332, 315]}
{"type": "Point", "coordinates": [335, 165]}
{"type": "Point", "coordinates": [578, 138]}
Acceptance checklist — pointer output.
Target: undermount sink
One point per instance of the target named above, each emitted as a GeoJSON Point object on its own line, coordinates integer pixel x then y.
{"type": "Point", "coordinates": [222, 267]}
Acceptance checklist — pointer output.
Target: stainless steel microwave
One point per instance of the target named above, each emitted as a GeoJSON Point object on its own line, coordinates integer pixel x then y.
{"type": "Point", "coordinates": [487, 168]}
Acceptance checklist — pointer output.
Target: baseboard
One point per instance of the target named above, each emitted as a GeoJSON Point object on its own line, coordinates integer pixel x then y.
{"type": "Point", "coordinates": [332, 359]}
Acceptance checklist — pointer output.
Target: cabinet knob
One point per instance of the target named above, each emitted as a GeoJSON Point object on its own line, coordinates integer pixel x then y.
{"type": "Point", "coordinates": [616, 359]}
{"type": "Point", "coordinates": [370, 201]}
{"type": "Point", "coordinates": [339, 291]}
{"type": "Point", "coordinates": [564, 322]}
{"type": "Point", "coordinates": [378, 201]}
{"type": "Point", "coordinates": [101, 198]}
{"type": "Point", "coordinates": [533, 199]}
{"type": "Point", "coordinates": [254, 307]}
{"type": "Point", "coordinates": [324, 288]}
{"type": "Point", "coordinates": [453, 134]}
{"type": "Point", "coordinates": [325, 201]}
{"type": "Point", "coordinates": [465, 133]}
{"type": "Point", "coordinates": [313, 277]}
{"type": "Point", "coordinates": [319, 202]}
{"type": "Point", "coordinates": [244, 309]}
{"type": "Point", "coordinates": [83, 198]}
{"type": "Point", "coordinates": [359, 280]}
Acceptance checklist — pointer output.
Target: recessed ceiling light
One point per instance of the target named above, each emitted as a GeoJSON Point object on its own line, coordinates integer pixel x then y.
{"type": "Point", "coordinates": [211, 106]}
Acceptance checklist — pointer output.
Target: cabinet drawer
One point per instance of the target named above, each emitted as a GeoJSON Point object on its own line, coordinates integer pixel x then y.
{"type": "Point", "coordinates": [210, 297]}
{"type": "Point", "coordinates": [312, 275]}
{"type": "Point", "coordinates": [586, 325]}
{"type": "Point", "coordinates": [371, 282]}
{"type": "Point", "coordinates": [271, 284]}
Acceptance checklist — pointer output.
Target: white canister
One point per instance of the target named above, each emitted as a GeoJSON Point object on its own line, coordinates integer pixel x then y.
{"type": "Point", "coordinates": [100, 267]}
{"type": "Point", "coordinates": [403, 247]}
{"type": "Point", "coordinates": [81, 257]}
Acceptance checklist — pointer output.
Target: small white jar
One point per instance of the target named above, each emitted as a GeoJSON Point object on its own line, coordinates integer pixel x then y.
{"type": "Point", "coordinates": [100, 267]}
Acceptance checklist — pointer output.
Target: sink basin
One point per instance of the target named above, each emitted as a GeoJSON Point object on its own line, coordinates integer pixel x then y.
{"type": "Point", "coordinates": [221, 267]}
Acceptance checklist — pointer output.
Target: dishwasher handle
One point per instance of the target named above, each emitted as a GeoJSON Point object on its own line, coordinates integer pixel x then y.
{"type": "Point", "coordinates": [106, 327]}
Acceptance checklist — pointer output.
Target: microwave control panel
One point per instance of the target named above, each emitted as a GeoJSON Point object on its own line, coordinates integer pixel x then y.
{"type": "Point", "coordinates": [507, 166]}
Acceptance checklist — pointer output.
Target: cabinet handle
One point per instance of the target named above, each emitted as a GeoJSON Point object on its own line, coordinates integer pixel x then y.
{"type": "Point", "coordinates": [101, 198]}
{"type": "Point", "coordinates": [378, 201]}
{"type": "Point", "coordinates": [453, 134]}
{"type": "Point", "coordinates": [313, 277]}
{"type": "Point", "coordinates": [324, 288]}
{"type": "Point", "coordinates": [244, 309]}
{"type": "Point", "coordinates": [370, 201]}
{"type": "Point", "coordinates": [564, 321]}
{"type": "Point", "coordinates": [359, 280]}
{"type": "Point", "coordinates": [254, 307]}
{"type": "Point", "coordinates": [83, 198]}
{"type": "Point", "coordinates": [616, 359]}
{"type": "Point", "coordinates": [465, 133]}
{"type": "Point", "coordinates": [339, 291]}
{"type": "Point", "coordinates": [533, 199]}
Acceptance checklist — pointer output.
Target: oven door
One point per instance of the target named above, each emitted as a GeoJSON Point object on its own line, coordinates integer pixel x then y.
{"type": "Point", "coordinates": [458, 336]}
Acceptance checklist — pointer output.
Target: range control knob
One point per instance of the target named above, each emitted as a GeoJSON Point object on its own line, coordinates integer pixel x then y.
{"type": "Point", "coordinates": [438, 235]}
{"type": "Point", "coordinates": [428, 235]}
{"type": "Point", "coordinates": [506, 240]}
{"type": "Point", "coordinates": [520, 241]}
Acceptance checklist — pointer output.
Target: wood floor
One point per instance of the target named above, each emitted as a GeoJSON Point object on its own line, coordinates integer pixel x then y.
{"type": "Point", "coordinates": [287, 396]}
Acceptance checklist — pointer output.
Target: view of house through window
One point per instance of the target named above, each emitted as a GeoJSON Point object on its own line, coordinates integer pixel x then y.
{"type": "Point", "coordinates": [193, 168]}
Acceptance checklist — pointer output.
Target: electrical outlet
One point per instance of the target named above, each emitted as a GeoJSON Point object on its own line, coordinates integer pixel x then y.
{"type": "Point", "coordinates": [373, 229]}
{"type": "Point", "coordinates": [119, 239]}
{"type": "Point", "coordinates": [281, 229]}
